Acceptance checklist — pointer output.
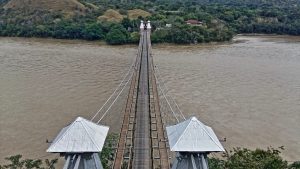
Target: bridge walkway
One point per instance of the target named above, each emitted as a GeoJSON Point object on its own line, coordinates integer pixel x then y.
{"type": "Point", "coordinates": [142, 142]}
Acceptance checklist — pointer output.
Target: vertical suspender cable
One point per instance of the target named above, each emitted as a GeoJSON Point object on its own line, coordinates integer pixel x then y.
{"type": "Point", "coordinates": [166, 99]}
{"type": "Point", "coordinates": [113, 93]}
{"type": "Point", "coordinates": [114, 100]}
{"type": "Point", "coordinates": [159, 74]}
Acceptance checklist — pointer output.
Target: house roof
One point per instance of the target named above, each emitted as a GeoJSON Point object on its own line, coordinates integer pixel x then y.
{"type": "Point", "coordinates": [192, 21]}
{"type": "Point", "coordinates": [80, 136]}
{"type": "Point", "coordinates": [193, 136]}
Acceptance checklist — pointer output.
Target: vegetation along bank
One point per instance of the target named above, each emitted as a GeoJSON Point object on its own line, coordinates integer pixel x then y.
{"type": "Point", "coordinates": [174, 21]}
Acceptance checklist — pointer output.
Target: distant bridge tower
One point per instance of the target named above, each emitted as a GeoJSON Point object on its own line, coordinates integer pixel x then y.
{"type": "Point", "coordinates": [148, 25]}
{"type": "Point", "coordinates": [192, 140]}
{"type": "Point", "coordinates": [80, 143]}
{"type": "Point", "coordinates": [142, 25]}
{"type": "Point", "coordinates": [145, 26]}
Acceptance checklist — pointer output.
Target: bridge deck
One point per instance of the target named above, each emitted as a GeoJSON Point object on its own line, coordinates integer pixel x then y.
{"type": "Point", "coordinates": [142, 143]}
{"type": "Point", "coordinates": [142, 139]}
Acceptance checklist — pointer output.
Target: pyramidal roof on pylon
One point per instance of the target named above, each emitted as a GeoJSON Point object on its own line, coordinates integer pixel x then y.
{"type": "Point", "coordinates": [193, 136]}
{"type": "Point", "coordinates": [80, 136]}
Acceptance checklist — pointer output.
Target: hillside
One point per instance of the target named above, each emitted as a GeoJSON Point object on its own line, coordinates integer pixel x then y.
{"type": "Point", "coordinates": [65, 6]}
{"type": "Point", "coordinates": [109, 20]}
{"type": "Point", "coordinates": [111, 16]}
{"type": "Point", "coordinates": [279, 3]}
{"type": "Point", "coordinates": [136, 13]}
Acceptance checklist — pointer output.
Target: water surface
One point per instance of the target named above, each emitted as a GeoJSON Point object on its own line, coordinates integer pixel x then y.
{"type": "Point", "coordinates": [248, 91]}
{"type": "Point", "coordinates": [46, 84]}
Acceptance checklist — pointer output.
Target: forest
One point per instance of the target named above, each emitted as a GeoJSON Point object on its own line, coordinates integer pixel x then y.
{"type": "Point", "coordinates": [220, 20]}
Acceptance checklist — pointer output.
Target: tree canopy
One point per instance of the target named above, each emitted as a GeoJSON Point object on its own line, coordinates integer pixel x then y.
{"type": "Point", "coordinates": [221, 20]}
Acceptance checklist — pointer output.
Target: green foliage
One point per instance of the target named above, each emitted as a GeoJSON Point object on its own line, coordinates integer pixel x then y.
{"type": "Point", "coordinates": [221, 20]}
{"type": "Point", "coordinates": [16, 162]}
{"type": "Point", "coordinates": [237, 159]}
{"type": "Point", "coordinates": [108, 152]}
{"type": "Point", "coordinates": [66, 29]}
{"type": "Point", "coordinates": [295, 165]}
{"type": "Point", "coordinates": [160, 36]}
{"type": "Point", "coordinates": [255, 159]}
{"type": "Point", "coordinates": [131, 25]}
{"type": "Point", "coordinates": [182, 34]}
{"type": "Point", "coordinates": [117, 35]}
{"type": "Point", "coordinates": [93, 31]}
{"type": "Point", "coordinates": [216, 163]}
{"type": "Point", "coordinates": [135, 37]}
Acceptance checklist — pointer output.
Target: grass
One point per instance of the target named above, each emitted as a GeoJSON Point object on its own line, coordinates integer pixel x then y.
{"type": "Point", "coordinates": [135, 13]}
{"type": "Point", "coordinates": [64, 6]}
{"type": "Point", "coordinates": [111, 16]}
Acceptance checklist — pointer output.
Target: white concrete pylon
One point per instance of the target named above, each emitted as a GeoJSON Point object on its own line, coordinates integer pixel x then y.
{"type": "Point", "coordinates": [142, 26]}
{"type": "Point", "coordinates": [193, 136]}
{"type": "Point", "coordinates": [81, 136]}
{"type": "Point", "coordinates": [148, 25]}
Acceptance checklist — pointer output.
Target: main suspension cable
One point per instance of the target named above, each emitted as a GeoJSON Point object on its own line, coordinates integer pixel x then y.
{"type": "Point", "coordinates": [115, 99]}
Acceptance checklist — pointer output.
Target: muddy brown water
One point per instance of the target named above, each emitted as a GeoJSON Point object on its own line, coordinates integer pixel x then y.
{"type": "Point", "coordinates": [248, 91]}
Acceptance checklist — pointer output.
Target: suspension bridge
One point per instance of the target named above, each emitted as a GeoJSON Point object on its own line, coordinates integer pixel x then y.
{"type": "Point", "coordinates": [144, 141]}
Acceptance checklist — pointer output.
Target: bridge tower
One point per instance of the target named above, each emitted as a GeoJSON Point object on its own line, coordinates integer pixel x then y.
{"type": "Point", "coordinates": [192, 141]}
{"type": "Point", "coordinates": [80, 142]}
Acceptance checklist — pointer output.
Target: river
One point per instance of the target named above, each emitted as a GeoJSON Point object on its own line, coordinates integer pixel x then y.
{"type": "Point", "coordinates": [248, 91]}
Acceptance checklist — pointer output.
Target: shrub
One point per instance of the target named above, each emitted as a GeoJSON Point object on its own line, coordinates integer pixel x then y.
{"type": "Point", "coordinates": [16, 162]}
{"type": "Point", "coordinates": [255, 159]}
{"type": "Point", "coordinates": [117, 36]}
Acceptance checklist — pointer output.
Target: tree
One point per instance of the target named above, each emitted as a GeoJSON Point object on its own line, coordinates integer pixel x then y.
{"type": "Point", "coordinates": [93, 31]}
{"type": "Point", "coordinates": [295, 165]}
{"type": "Point", "coordinates": [160, 36]}
{"type": "Point", "coordinates": [255, 159]}
{"type": "Point", "coordinates": [107, 154]}
{"type": "Point", "coordinates": [117, 35]}
{"type": "Point", "coordinates": [126, 23]}
{"type": "Point", "coordinates": [134, 37]}
{"type": "Point", "coordinates": [16, 162]}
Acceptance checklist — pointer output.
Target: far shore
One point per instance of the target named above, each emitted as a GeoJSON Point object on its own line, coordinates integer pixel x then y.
{"type": "Point", "coordinates": [102, 42]}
